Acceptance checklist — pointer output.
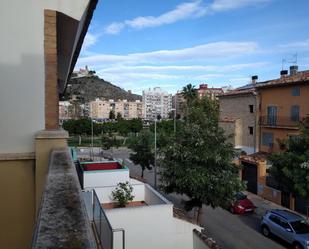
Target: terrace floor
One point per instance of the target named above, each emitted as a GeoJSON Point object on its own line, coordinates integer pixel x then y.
{"type": "Point", "coordinates": [130, 204]}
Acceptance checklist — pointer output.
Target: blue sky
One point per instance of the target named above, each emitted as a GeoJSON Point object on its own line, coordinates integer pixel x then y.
{"type": "Point", "coordinates": [137, 44]}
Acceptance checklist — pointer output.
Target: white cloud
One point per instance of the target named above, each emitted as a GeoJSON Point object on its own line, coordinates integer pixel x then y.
{"type": "Point", "coordinates": [114, 28]}
{"type": "Point", "coordinates": [224, 5]}
{"type": "Point", "coordinates": [208, 51]}
{"type": "Point", "coordinates": [90, 40]}
{"type": "Point", "coordinates": [295, 46]}
{"type": "Point", "coordinates": [176, 68]}
{"type": "Point", "coordinates": [181, 12]}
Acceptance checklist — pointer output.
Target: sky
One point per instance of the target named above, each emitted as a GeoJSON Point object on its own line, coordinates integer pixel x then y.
{"type": "Point", "coordinates": [140, 44]}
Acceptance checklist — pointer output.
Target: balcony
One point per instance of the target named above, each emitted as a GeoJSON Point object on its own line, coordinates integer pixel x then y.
{"type": "Point", "coordinates": [280, 122]}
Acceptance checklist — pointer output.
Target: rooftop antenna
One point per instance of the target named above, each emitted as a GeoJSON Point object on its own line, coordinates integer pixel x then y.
{"type": "Point", "coordinates": [291, 60]}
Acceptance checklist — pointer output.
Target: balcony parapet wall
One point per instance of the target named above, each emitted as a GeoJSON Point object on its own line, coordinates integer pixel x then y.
{"type": "Point", "coordinates": [62, 221]}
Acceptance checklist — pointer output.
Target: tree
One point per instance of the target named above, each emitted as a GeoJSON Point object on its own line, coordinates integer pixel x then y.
{"type": "Point", "coordinates": [143, 154]}
{"type": "Point", "coordinates": [107, 141]}
{"type": "Point", "coordinates": [119, 116]}
{"type": "Point", "coordinates": [290, 168]}
{"type": "Point", "coordinates": [189, 93]}
{"type": "Point", "coordinates": [111, 114]}
{"type": "Point", "coordinates": [197, 161]}
{"type": "Point", "coordinates": [136, 125]}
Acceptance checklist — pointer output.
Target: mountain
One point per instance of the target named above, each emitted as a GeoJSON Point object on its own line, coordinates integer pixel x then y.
{"type": "Point", "coordinates": [89, 88]}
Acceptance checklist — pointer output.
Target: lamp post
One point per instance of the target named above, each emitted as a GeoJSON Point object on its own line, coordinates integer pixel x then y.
{"type": "Point", "coordinates": [174, 110]}
{"type": "Point", "coordinates": [155, 156]}
{"type": "Point", "coordinates": [91, 133]}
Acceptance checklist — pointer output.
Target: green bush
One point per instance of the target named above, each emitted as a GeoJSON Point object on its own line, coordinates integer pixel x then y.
{"type": "Point", "coordinates": [123, 193]}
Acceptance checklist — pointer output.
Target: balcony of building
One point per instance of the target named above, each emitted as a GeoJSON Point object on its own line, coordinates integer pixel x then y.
{"type": "Point", "coordinates": [281, 122]}
{"type": "Point", "coordinates": [88, 217]}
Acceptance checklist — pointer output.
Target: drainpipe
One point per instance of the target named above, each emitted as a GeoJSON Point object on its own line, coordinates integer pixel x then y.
{"type": "Point", "coordinates": [255, 119]}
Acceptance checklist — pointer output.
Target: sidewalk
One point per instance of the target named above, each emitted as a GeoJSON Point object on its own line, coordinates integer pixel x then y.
{"type": "Point", "coordinates": [263, 205]}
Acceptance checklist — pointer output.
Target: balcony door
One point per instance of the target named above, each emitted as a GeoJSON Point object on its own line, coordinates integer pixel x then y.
{"type": "Point", "coordinates": [271, 115]}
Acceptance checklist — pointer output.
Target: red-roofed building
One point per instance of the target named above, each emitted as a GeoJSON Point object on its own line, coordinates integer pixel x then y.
{"type": "Point", "coordinates": [211, 93]}
{"type": "Point", "coordinates": [284, 103]}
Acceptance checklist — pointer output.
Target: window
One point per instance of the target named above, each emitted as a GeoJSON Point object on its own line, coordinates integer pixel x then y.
{"type": "Point", "coordinates": [250, 130]}
{"type": "Point", "coordinates": [285, 225]}
{"type": "Point", "coordinates": [295, 113]}
{"type": "Point", "coordinates": [296, 91]}
{"type": "Point", "coordinates": [275, 219]}
{"type": "Point", "coordinates": [271, 115]}
{"type": "Point", "coordinates": [251, 108]}
{"type": "Point", "coordinates": [267, 139]}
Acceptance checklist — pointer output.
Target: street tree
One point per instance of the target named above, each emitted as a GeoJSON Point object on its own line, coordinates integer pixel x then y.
{"type": "Point", "coordinates": [119, 116]}
{"type": "Point", "coordinates": [290, 168]}
{"type": "Point", "coordinates": [112, 115]}
{"type": "Point", "coordinates": [197, 161]}
{"type": "Point", "coordinates": [143, 154]}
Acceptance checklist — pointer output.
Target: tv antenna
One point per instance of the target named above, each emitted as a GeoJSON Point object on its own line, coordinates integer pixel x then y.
{"type": "Point", "coordinates": [291, 60]}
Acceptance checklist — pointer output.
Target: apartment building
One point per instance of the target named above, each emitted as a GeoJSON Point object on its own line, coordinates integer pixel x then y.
{"type": "Point", "coordinates": [40, 43]}
{"type": "Point", "coordinates": [100, 109]}
{"type": "Point", "coordinates": [284, 103]}
{"type": "Point", "coordinates": [64, 110]}
{"type": "Point", "coordinates": [156, 102]}
{"type": "Point", "coordinates": [210, 92]}
{"type": "Point", "coordinates": [238, 117]}
{"type": "Point", "coordinates": [179, 104]}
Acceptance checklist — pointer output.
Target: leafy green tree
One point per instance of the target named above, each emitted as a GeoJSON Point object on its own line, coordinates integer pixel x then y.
{"type": "Point", "coordinates": [143, 151]}
{"type": "Point", "coordinates": [119, 116]}
{"type": "Point", "coordinates": [290, 168]}
{"type": "Point", "coordinates": [112, 115]}
{"type": "Point", "coordinates": [136, 125]}
{"type": "Point", "coordinates": [197, 161]}
{"type": "Point", "coordinates": [107, 141]}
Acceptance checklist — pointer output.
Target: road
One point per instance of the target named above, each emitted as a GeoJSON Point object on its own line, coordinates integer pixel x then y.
{"type": "Point", "coordinates": [230, 231]}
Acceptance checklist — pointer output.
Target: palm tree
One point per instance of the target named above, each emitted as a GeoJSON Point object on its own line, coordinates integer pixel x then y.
{"type": "Point", "coordinates": [189, 93]}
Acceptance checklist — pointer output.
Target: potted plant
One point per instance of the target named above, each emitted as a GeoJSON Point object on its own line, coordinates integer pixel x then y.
{"type": "Point", "coordinates": [123, 193]}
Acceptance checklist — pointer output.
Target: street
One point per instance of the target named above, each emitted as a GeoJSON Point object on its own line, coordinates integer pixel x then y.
{"type": "Point", "coordinates": [229, 230]}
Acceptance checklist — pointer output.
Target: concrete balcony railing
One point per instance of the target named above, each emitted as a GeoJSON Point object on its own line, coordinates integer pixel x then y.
{"type": "Point", "coordinates": [62, 221]}
{"type": "Point", "coordinates": [280, 121]}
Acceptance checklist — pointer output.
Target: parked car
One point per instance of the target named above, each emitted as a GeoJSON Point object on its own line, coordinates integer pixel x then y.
{"type": "Point", "coordinates": [288, 226]}
{"type": "Point", "coordinates": [241, 204]}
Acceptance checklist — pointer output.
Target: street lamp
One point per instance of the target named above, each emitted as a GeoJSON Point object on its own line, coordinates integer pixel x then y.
{"type": "Point", "coordinates": [155, 156]}
{"type": "Point", "coordinates": [174, 109]}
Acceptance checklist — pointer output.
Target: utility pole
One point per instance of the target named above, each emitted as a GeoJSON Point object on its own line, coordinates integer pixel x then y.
{"type": "Point", "coordinates": [155, 156]}
{"type": "Point", "coordinates": [92, 157]}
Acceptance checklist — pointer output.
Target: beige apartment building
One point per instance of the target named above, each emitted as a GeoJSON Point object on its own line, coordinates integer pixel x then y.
{"type": "Point", "coordinates": [100, 109]}
{"type": "Point", "coordinates": [40, 43]}
{"type": "Point", "coordinates": [210, 92]}
{"type": "Point", "coordinates": [238, 117]}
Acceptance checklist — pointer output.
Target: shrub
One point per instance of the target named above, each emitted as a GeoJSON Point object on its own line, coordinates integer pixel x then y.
{"type": "Point", "coordinates": [123, 193]}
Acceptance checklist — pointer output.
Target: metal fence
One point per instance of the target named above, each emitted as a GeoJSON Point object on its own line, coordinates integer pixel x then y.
{"type": "Point", "coordinates": [103, 227]}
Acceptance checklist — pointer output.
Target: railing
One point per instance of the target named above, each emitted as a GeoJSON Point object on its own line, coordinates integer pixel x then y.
{"type": "Point", "coordinates": [280, 121]}
{"type": "Point", "coordinates": [103, 227]}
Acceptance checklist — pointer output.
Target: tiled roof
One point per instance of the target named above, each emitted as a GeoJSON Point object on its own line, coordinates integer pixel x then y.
{"type": "Point", "coordinates": [300, 77]}
{"type": "Point", "coordinates": [254, 158]}
{"type": "Point", "coordinates": [237, 92]}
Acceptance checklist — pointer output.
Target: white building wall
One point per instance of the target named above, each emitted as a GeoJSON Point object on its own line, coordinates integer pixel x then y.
{"type": "Point", "coordinates": [103, 178]}
{"type": "Point", "coordinates": [22, 69]}
{"type": "Point", "coordinates": [151, 227]}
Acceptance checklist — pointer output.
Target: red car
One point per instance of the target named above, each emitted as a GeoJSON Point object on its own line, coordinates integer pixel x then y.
{"type": "Point", "coordinates": [242, 204]}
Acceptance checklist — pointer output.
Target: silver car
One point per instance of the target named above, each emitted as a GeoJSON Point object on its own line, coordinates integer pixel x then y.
{"type": "Point", "coordinates": [289, 226]}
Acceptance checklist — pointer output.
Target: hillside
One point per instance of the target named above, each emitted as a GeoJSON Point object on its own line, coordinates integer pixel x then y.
{"type": "Point", "coordinates": [92, 87]}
